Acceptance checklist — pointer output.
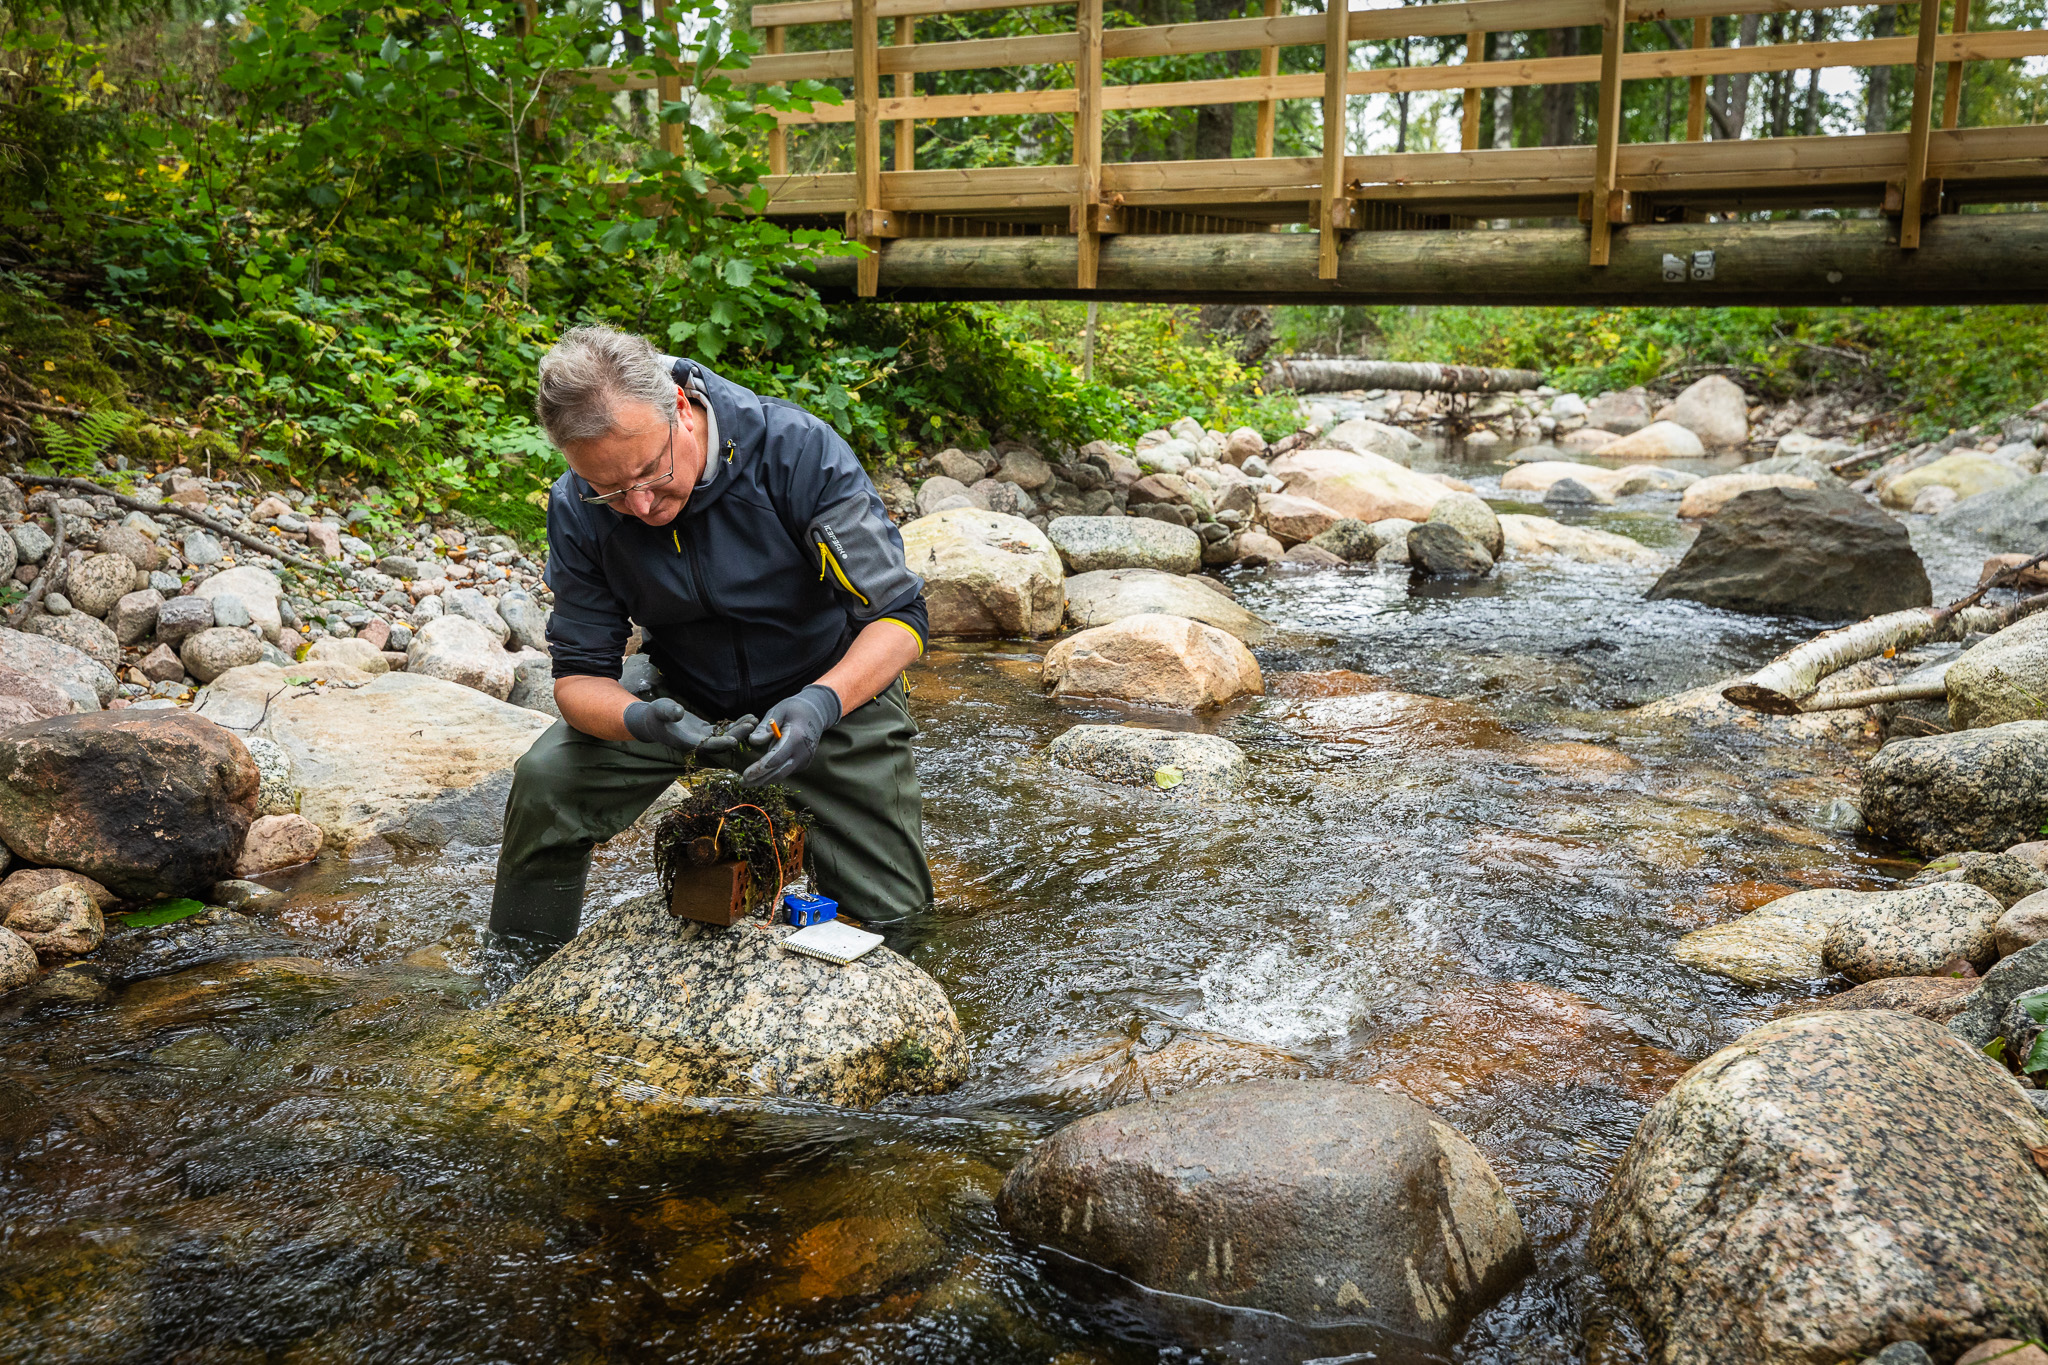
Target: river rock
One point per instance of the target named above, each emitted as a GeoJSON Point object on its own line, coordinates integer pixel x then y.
{"type": "Point", "coordinates": [1968, 472]}
{"type": "Point", "coordinates": [1363, 487]}
{"type": "Point", "coordinates": [133, 615]}
{"type": "Point", "coordinates": [2005, 1351]}
{"type": "Point", "coordinates": [985, 574]}
{"type": "Point", "coordinates": [58, 922]}
{"type": "Point", "coordinates": [447, 782]}
{"type": "Point", "coordinates": [86, 634]}
{"type": "Point", "coordinates": [1086, 544]}
{"type": "Point", "coordinates": [1776, 944]}
{"type": "Point", "coordinates": [1295, 520]}
{"type": "Point", "coordinates": [1983, 788]}
{"type": "Point", "coordinates": [1940, 998]}
{"type": "Point", "coordinates": [1572, 493]}
{"type": "Point", "coordinates": [1153, 660]}
{"type": "Point", "coordinates": [1469, 513]}
{"type": "Point", "coordinates": [1023, 467]}
{"type": "Point", "coordinates": [1442, 550]}
{"type": "Point", "coordinates": [259, 591]}
{"type": "Point", "coordinates": [1096, 599]}
{"type": "Point", "coordinates": [1363, 436]}
{"type": "Point", "coordinates": [470, 603]}
{"type": "Point", "coordinates": [137, 548]}
{"type": "Point", "coordinates": [1255, 549]}
{"type": "Point", "coordinates": [1981, 1019]}
{"type": "Point", "coordinates": [25, 697]}
{"type": "Point", "coordinates": [2009, 879]}
{"type": "Point", "coordinates": [1823, 553]}
{"type": "Point", "coordinates": [1710, 495]}
{"type": "Point", "coordinates": [147, 803]}
{"type": "Point", "coordinates": [180, 618]}
{"type": "Point", "coordinates": [1326, 1202]}
{"type": "Point", "coordinates": [1914, 931]}
{"type": "Point", "coordinates": [2024, 925]}
{"type": "Point", "coordinates": [694, 1010]}
{"type": "Point", "coordinates": [31, 542]}
{"type": "Point", "coordinates": [1715, 410]}
{"type": "Point", "coordinates": [1537, 476]}
{"type": "Point", "coordinates": [98, 581]}
{"type": "Point", "coordinates": [1657, 441]}
{"type": "Point", "coordinates": [2012, 519]}
{"type": "Point", "coordinates": [276, 841]}
{"type": "Point", "coordinates": [214, 651]}
{"type": "Point", "coordinates": [1622, 413]}
{"type": "Point", "coordinates": [1350, 540]}
{"type": "Point", "coordinates": [959, 466]}
{"type": "Point", "coordinates": [18, 964]}
{"type": "Point", "coordinates": [1243, 444]}
{"type": "Point", "coordinates": [277, 791]}
{"type": "Point", "coordinates": [458, 650]}
{"type": "Point", "coordinates": [1185, 764]}
{"type": "Point", "coordinates": [1828, 1185]}
{"type": "Point", "coordinates": [353, 653]}
{"type": "Point", "coordinates": [533, 684]}
{"type": "Point", "coordinates": [526, 619]}
{"type": "Point", "coordinates": [2004, 678]}
{"type": "Point", "coordinates": [1527, 537]}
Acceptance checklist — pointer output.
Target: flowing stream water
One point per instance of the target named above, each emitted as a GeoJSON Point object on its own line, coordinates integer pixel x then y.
{"type": "Point", "coordinates": [1459, 875]}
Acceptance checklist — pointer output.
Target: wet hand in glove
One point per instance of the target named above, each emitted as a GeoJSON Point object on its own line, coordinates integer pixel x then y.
{"type": "Point", "coordinates": [803, 721]}
{"type": "Point", "coordinates": [665, 722]}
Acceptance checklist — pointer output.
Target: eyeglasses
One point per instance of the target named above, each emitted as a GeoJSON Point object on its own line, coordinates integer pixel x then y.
{"type": "Point", "coordinates": [607, 499]}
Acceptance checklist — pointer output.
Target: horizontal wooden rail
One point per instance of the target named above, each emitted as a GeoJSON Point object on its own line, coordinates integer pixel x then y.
{"type": "Point", "coordinates": [841, 11]}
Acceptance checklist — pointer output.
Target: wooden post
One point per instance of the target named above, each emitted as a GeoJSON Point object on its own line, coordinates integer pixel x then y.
{"type": "Point", "coordinates": [1088, 140]}
{"type": "Point", "coordinates": [668, 89]}
{"type": "Point", "coordinates": [1088, 343]}
{"type": "Point", "coordinates": [1914, 191]}
{"type": "Point", "coordinates": [906, 86]}
{"type": "Point", "coordinates": [1269, 110]}
{"type": "Point", "coordinates": [1607, 135]}
{"type": "Point", "coordinates": [1475, 51]}
{"type": "Point", "coordinates": [1336, 66]}
{"type": "Point", "coordinates": [1952, 98]}
{"type": "Point", "coordinates": [867, 142]}
{"type": "Point", "coordinates": [778, 137]}
{"type": "Point", "coordinates": [1696, 102]}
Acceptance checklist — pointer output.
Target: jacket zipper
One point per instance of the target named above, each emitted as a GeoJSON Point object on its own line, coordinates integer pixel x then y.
{"type": "Point", "coordinates": [739, 656]}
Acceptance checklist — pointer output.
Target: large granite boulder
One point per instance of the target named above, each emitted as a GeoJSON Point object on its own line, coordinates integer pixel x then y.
{"type": "Point", "coordinates": [2005, 678]}
{"type": "Point", "coordinates": [26, 697]}
{"type": "Point", "coordinates": [1361, 486]}
{"type": "Point", "coordinates": [147, 803]}
{"type": "Point", "coordinates": [1969, 473]}
{"type": "Point", "coordinates": [1621, 413]}
{"type": "Point", "coordinates": [689, 1009]}
{"type": "Point", "coordinates": [1715, 410]}
{"type": "Point", "coordinates": [1657, 441]}
{"type": "Point", "coordinates": [2010, 519]}
{"type": "Point", "coordinates": [1914, 931]}
{"type": "Point", "coordinates": [420, 762]}
{"type": "Point", "coordinates": [458, 650]}
{"type": "Point", "coordinates": [1811, 552]}
{"type": "Point", "coordinates": [1333, 1204]}
{"type": "Point", "coordinates": [1186, 765]}
{"type": "Point", "coordinates": [1949, 793]}
{"type": "Point", "coordinates": [1825, 1186]}
{"type": "Point", "coordinates": [1096, 599]}
{"type": "Point", "coordinates": [985, 573]}
{"type": "Point", "coordinates": [1153, 660]}
{"type": "Point", "coordinates": [86, 634]}
{"type": "Point", "coordinates": [85, 682]}
{"type": "Point", "coordinates": [1089, 543]}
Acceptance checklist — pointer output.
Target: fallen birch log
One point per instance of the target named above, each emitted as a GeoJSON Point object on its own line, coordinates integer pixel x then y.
{"type": "Point", "coordinates": [1935, 690]}
{"type": "Point", "coordinates": [1313, 374]}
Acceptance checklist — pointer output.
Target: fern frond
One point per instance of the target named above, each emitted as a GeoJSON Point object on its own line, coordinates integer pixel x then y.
{"type": "Point", "coordinates": [77, 449]}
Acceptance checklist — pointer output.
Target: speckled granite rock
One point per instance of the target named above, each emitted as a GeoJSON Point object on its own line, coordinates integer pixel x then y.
{"type": "Point", "coordinates": [1939, 998]}
{"type": "Point", "coordinates": [1984, 1008]}
{"type": "Point", "coordinates": [1206, 764]}
{"type": "Point", "coordinates": [2024, 924]}
{"type": "Point", "coordinates": [1913, 931]}
{"type": "Point", "coordinates": [2010, 879]}
{"type": "Point", "coordinates": [693, 1010]}
{"type": "Point", "coordinates": [1979, 789]}
{"type": "Point", "coordinates": [1778, 944]}
{"type": "Point", "coordinates": [1828, 1185]}
{"type": "Point", "coordinates": [1328, 1202]}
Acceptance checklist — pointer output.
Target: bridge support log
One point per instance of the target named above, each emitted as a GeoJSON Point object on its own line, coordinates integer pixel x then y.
{"type": "Point", "coordinates": [1335, 374]}
{"type": "Point", "coordinates": [1962, 258]}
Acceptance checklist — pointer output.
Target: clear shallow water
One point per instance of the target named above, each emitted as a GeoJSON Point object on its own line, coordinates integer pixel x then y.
{"type": "Point", "coordinates": [1464, 888]}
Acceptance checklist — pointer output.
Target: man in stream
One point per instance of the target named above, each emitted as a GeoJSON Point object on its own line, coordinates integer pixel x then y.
{"type": "Point", "coordinates": [742, 535]}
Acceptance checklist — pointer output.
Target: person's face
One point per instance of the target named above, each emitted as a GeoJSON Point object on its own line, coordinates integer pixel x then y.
{"type": "Point", "coordinates": [641, 467]}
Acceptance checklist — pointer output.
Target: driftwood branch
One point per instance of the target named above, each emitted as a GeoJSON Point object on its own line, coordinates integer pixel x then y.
{"type": "Point", "coordinates": [1934, 690]}
{"type": "Point", "coordinates": [1313, 374]}
{"type": "Point", "coordinates": [211, 524]}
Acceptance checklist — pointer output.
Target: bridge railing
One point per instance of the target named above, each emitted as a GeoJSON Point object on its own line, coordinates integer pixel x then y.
{"type": "Point", "coordinates": [1926, 169]}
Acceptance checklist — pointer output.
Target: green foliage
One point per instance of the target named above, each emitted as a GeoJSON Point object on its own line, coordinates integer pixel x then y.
{"type": "Point", "coordinates": [163, 912]}
{"type": "Point", "coordinates": [1954, 366]}
{"type": "Point", "coordinates": [756, 827]}
{"type": "Point", "coordinates": [74, 450]}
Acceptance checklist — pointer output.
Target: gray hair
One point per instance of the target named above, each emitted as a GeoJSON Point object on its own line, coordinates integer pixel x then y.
{"type": "Point", "coordinates": [589, 374]}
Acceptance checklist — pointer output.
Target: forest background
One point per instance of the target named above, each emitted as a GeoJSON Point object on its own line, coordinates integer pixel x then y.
{"type": "Point", "coordinates": [323, 242]}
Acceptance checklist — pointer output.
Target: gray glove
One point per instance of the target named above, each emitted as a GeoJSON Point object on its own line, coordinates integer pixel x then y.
{"type": "Point", "coordinates": [802, 721]}
{"type": "Point", "coordinates": [665, 722]}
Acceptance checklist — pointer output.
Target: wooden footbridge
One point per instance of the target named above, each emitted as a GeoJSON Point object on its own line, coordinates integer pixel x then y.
{"type": "Point", "coordinates": [1675, 222]}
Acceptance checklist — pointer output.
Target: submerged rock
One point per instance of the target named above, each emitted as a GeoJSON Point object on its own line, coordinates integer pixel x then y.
{"type": "Point", "coordinates": [687, 1009]}
{"type": "Point", "coordinates": [1327, 1202]}
{"type": "Point", "coordinates": [1828, 1185]}
{"type": "Point", "coordinates": [147, 803]}
{"type": "Point", "coordinates": [1776, 944]}
{"type": "Point", "coordinates": [1194, 765]}
{"type": "Point", "coordinates": [1946, 793]}
{"type": "Point", "coordinates": [1154, 660]}
{"type": "Point", "coordinates": [985, 573]}
{"type": "Point", "coordinates": [1939, 998]}
{"type": "Point", "coordinates": [1815, 552]}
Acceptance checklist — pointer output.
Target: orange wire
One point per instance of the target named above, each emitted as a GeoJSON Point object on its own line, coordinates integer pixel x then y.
{"type": "Point", "coordinates": [774, 846]}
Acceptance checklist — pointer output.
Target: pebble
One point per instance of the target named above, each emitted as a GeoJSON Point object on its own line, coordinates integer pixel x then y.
{"type": "Point", "coordinates": [57, 604]}
{"type": "Point", "coordinates": [201, 549]}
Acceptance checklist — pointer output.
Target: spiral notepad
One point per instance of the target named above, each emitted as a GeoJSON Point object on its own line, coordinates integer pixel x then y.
{"type": "Point", "coordinates": [833, 941]}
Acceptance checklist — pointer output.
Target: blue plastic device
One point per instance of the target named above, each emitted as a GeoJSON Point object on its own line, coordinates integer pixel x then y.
{"type": "Point", "coordinates": [805, 910]}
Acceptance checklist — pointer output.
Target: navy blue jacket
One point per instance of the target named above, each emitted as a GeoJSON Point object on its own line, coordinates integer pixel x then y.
{"type": "Point", "coordinates": [757, 587]}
